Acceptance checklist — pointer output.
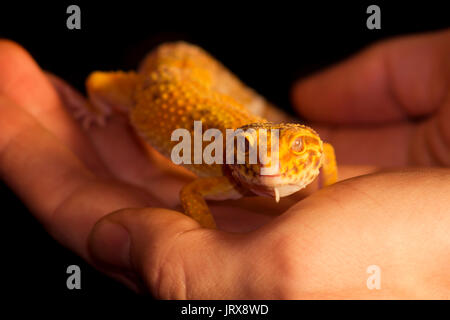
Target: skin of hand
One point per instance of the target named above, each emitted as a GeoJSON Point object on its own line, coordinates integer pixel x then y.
{"type": "Point", "coordinates": [96, 193]}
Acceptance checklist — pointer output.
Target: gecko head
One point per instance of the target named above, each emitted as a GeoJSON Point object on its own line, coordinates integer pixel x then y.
{"type": "Point", "coordinates": [269, 172]}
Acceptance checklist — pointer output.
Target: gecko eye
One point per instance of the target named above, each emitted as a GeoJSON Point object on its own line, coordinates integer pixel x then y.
{"type": "Point", "coordinates": [298, 145]}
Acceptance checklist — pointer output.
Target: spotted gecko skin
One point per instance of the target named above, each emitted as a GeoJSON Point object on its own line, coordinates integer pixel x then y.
{"type": "Point", "coordinates": [179, 83]}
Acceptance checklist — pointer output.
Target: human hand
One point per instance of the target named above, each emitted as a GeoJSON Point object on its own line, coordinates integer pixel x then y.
{"type": "Point", "coordinates": [166, 250]}
{"type": "Point", "coordinates": [387, 106]}
{"type": "Point", "coordinates": [70, 178]}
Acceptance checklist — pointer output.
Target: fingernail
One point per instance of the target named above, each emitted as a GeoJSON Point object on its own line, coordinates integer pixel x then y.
{"type": "Point", "coordinates": [110, 245]}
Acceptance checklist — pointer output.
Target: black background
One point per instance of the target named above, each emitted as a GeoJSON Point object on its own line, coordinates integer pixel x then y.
{"type": "Point", "coordinates": [267, 45]}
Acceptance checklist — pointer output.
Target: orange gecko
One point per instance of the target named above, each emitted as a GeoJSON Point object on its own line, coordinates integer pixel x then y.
{"type": "Point", "coordinates": [179, 83]}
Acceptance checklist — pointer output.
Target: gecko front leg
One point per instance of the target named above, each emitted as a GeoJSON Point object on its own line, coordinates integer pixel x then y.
{"type": "Point", "coordinates": [109, 91]}
{"type": "Point", "coordinates": [329, 166]}
{"type": "Point", "coordinates": [193, 196]}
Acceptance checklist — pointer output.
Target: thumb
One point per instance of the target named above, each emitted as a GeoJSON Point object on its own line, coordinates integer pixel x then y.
{"type": "Point", "coordinates": [167, 252]}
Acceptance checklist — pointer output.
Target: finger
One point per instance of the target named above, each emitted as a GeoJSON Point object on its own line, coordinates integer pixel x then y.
{"type": "Point", "coordinates": [52, 182]}
{"type": "Point", "coordinates": [127, 159]}
{"type": "Point", "coordinates": [393, 80]}
{"type": "Point", "coordinates": [175, 258]}
{"type": "Point", "coordinates": [425, 144]}
{"type": "Point", "coordinates": [383, 146]}
{"type": "Point", "coordinates": [430, 142]}
{"type": "Point", "coordinates": [353, 222]}
{"type": "Point", "coordinates": [22, 81]}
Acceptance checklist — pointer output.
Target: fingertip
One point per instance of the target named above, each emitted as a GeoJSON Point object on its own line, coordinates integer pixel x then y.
{"type": "Point", "coordinates": [143, 241]}
{"type": "Point", "coordinates": [391, 80]}
{"type": "Point", "coordinates": [8, 46]}
{"type": "Point", "coordinates": [351, 91]}
{"type": "Point", "coordinates": [109, 245]}
{"type": "Point", "coordinates": [304, 97]}
{"type": "Point", "coordinates": [22, 79]}
{"type": "Point", "coordinates": [141, 220]}
{"type": "Point", "coordinates": [296, 94]}
{"type": "Point", "coordinates": [14, 57]}
{"type": "Point", "coordinates": [147, 227]}
{"type": "Point", "coordinates": [356, 90]}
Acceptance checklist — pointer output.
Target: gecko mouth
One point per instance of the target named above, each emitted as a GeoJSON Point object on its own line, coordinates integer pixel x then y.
{"type": "Point", "coordinates": [277, 191]}
{"type": "Point", "coordinates": [270, 175]}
